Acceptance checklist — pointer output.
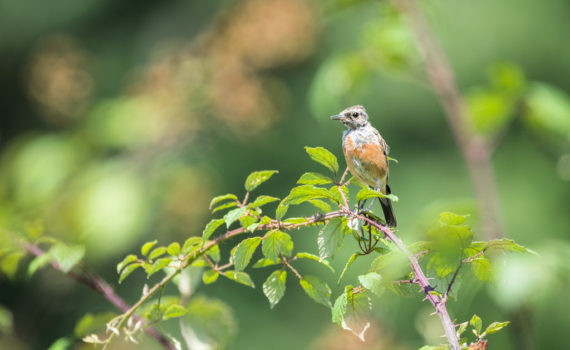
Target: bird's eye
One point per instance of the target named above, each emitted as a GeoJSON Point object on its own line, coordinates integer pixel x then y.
{"type": "Point", "coordinates": [355, 114]}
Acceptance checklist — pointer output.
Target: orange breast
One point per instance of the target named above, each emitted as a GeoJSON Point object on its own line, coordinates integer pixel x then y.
{"type": "Point", "coordinates": [366, 162]}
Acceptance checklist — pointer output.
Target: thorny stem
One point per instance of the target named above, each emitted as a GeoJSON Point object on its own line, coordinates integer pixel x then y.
{"type": "Point", "coordinates": [473, 147]}
{"type": "Point", "coordinates": [100, 286]}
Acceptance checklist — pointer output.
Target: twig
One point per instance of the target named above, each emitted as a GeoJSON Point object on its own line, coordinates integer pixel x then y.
{"type": "Point", "coordinates": [100, 286]}
{"type": "Point", "coordinates": [452, 281]}
{"type": "Point", "coordinates": [473, 147]}
{"type": "Point", "coordinates": [286, 262]}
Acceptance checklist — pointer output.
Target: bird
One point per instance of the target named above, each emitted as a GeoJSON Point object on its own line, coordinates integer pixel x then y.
{"type": "Point", "coordinates": [366, 155]}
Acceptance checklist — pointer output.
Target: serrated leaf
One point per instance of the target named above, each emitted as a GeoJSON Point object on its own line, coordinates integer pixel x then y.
{"type": "Point", "coordinates": [233, 215]}
{"type": "Point", "coordinates": [158, 265]}
{"type": "Point", "coordinates": [330, 238]}
{"type": "Point", "coordinates": [127, 271]}
{"type": "Point", "coordinates": [482, 269]}
{"type": "Point", "coordinates": [315, 258]}
{"type": "Point", "coordinates": [211, 227]}
{"type": "Point", "coordinates": [223, 197]}
{"type": "Point", "coordinates": [174, 249]}
{"type": "Point", "coordinates": [147, 247]}
{"type": "Point", "coordinates": [262, 200]}
{"type": "Point", "coordinates": [66, 256]}
{"type": "Point", "coordinates": [240, 277]}
{"type": "Point", "coordinates": [174, 310]}
{"type": "Point", "coordinates": [257, 178]}
{"type": "Point", "coordinates": [224, 206]}
{"type": "Point", "coordinates": [264, 262]}
{"type": "Point", "coordinates": [318, 290]}
{"type": "Point", "coordinates": [367, 193]}
{"type": "Point", "coordinates": [127, 260]}
{"type": "Point", "coordinates": [324, 157]}
{"type": "Point", "coordinates": [210, 276]}
{"type": "Point", "coordinates": [275, 243]}
{"type": "Point", "coordinates": [494, 328]}
{"type": "Point", "coordinates": [450, 218]}
{"type": "Point", "coordinates": [274, 286]}
{"type": "Point", "coordinates": [348, 263]}
{"type": "Point", "coordinates": [476, 323]}
{"type": "Point", "coordinates": [244, 251]}
{"type": "Point", "coordinates": [373, 282]}
{"type": "Point", "coordinates": [156, 252]}
{"type": "Point", "coordinates": [314, 179]}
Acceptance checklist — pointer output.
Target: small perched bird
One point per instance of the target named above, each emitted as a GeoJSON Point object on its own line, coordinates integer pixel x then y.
{"type": "Point", "coordinates": [366, 155]}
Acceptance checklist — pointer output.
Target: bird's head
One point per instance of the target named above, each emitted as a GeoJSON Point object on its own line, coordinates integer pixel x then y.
{"type": "Point", "coordinates": [352, 117]}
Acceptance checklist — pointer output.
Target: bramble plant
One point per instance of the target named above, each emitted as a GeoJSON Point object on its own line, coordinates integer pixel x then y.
{"type": "Point", "coordinates": [448, 248]}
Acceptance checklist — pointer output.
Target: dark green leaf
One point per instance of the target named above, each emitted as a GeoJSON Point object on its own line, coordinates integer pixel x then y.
{"type": "Point", "coordinates": [222, 198]}
{"type": "Point", "coordinates": [314, 179]}
{"type": "Point", "coordinates": [147, 247]}
{"type": "Point", "coordinates": [476, 323]}
{"type": "Point", "coordinates": [318, 290]}
{"type": "Point", "coordinates": [348, 263]}
{"type": "Point", "coordinates": [233, 215]}
{"type": "Point", "coordinates": [275, 243]}
{"type": "Point", "coordinates": [314, 258]}
{"type": "Point", "coordinates": [274, 286]}
{"type": "Point", "coordinates": [211, 227]}
{"type": "Point", "coordinates": [210, 276]}
{"type": "Point", "coordinates": [127, 260]}
{"type": "Point", "coordinates": [244, 251]}
{"type": "Point", "coordinates": [495, 327]}
{"type": "Point", "coordinates": [262, 200]}
{"type": "Point", "coordinates": [127, 271]}
{"type": "Point", "coordinates": [330, 238]}
{"type": "Point", "coordinates": [373, 282]}
{"type": "Point", "coordinates": [67, 256]}
{"type": "Point", "coordinates": [324, 157]}
{"type": "Point", "coordinates": [174, 249]}
{"type": "Point", "coordinates": [240, 277]}
{"type": "Point", "coordinates": [257, 178]}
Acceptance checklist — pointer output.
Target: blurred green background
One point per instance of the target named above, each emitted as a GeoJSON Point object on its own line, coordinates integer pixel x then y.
{"type": "Point", "coordinates": [121, 120]}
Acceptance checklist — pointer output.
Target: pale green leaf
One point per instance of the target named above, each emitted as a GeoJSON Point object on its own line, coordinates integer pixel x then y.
{"type": "Point", "coordinates": [257, 178]}
{"type": "Point", "coordinates": [275, 243]}
{"type": "Point", "coordinates": [482, 269]}
{"type": "Point", "coordinates": [262, 200]}
{"type": "Point", "coordinates": [450, 218]}
{"type": "Point", "coordinates": [127, 271]}
{"type": "Point", "coordinates": [494, 327]}
{"type": "Point", "coordinates": [211, 228]}
{"type": "Point", "coordinates": [210, 276]}
{"type": "Point", "coordinates": [282, 208]}
{"type": "Point", "coordinates": [191, 244]}
{"type": "Point", "coordinates": [233, 215]}
{"type": "Point", "coordinates": [318, 290]}
{"type": "Point", "coordinates": [174, 249]}
{"type": "Point", "coordinates": [156, 252]}
{"type": "Point", "coordinates": [222, 198]}
{"type": "Point", "coordinates": [173, 311]}
{"type": "Point", "coordinates": [224, 206]}
{"type": "Point", "coordinates": [147, 247]}
{"type": "Point", "coordinates": [324, 157]}
{"type": "Point", "coordinates": [476, 323]}
{"type": "Point", "coordinates": [240, 277]}
{"type": "Point", "coordinates": [127, 260]}
{"type": "Point", "coordinates": [315, 258]}
{"type": "Point", "coordinates": [348, 263]}
{"type": "Point", "coordinates": [67, 256]}
{"type": "Point", "coordinates": [243, 252]}
{"type": "Point", "coordinates": [367, 193]}
{"type": "Point", "coordinates": [330, 238]}
{"type": "Point", "coordinates": [314, 179]}
{"type": "Point", "coordinates": [274, 286]}
{"type": "Point", "coordinates": [158, 265]}
{"type": "Point", "coordinates": [264, 262]}
{"type": "Point", "coordinates": [38, 262]}
{"type": "Point", "coordinates": [373, 282]}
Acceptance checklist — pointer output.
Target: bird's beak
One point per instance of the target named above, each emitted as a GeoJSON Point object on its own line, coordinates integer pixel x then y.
{"type": "Point", "coordinates": [336, 117]}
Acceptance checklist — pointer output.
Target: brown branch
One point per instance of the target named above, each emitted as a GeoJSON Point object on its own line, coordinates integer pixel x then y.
{"type": "Point", "coordinates": [473, 147]}
{"type": "Point", "coordinates": [100, 286]}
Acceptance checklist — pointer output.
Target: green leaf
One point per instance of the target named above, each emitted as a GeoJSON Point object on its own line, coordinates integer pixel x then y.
{"type": "Point", "coordinates": [9, 263]}
{"type": "Point", "coordinates": [264, 262]}
{"type": "Point", "coordinates": [373, 282]}
{"type": "Point", "coordinates": [244, 251]}
{"type": "Point", "coordinates": [262, 200]}
{"type": "Point", "coordinates": [282, 208]}
{"type": "Point", "coordinates": [257, 178]}
{"type": "Point", "coordinates": [127, 260]}
{"type": "Point", "coordinates": [351, 311]}
{"type": "Point", "coordinates": [348, 263]}
{"type": "Point", "coordinates": [303, 193]}
{"type": "Point", "coordinates": [210, 276]}
{"type": "Point", "coordinates": [67, 256]}
{"type": "Point", "coordinates": [156, 252]}
{"type": "Point", "coordinates": [507, 245]}
{"type": "Point", "coordinates": [330, 238]}
{"type": "Point", "coordinates": [367, 193]}
{"type": "Point", "coordinates": [127, 271]}
{"type": "Point", "coordinates": [461, 328]}
{"type": "Point", "coordinates": [191, 244]}
{"type": "Point", "coordinates": [211, 322]}
{"type": "Point", "coordinates": [322, 205]}
{"type": "Point", "coordinates": [240, 277]}
{"type": "Point", "coordinates": [233, 215]}
{"type": "Point", "coordinates": [38, 262]}
{"type": "Point", "coordinates": [318, 290]}
{"type": "Point", "coordinates": [90, 323]}
{"type": "Point", "coordinates": [315, 258]}
{"type": "Point", "coordinates": [61, 344]}
{"type": "Point", "coordinates": [158, 265]}
{"type": "Point", "coordinates": [275, 243]}
{"type": "Point", "coordinates": [314, 179]}
{"type": "Point", "coordinates": [174, 249]}
{"type": "Point", "coordinates": [34, 229]}
{"type": "Point", "coordinates": [222, 198]}
{"type": "Point", "coordinates": [450, 218]}
{"type": "Point", "coordinates": [211, 228]}
{"type": "Point", "coordinates": [274, 286]}
{"type": "Point", "coordinates": [339, 308]}
{"type": "Point", "coordinates": [147, 246]}
{"type": "Point", "coordinates": [476, 323]}
{"type": "Point", "coordinates": [494, 328]}
{"type": "Point", "coordinates": [173, 311]}
{"type": "Point", "coordinates": [324, 157]}
{"type": "Point", "coordinates": [224, 206]}
{"type": "Point", "coordinates": [214, 252]}
{"type": "Point", "coordinates": [482, 269]}
{"type": "Point", "coordinates": [247, 221]}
